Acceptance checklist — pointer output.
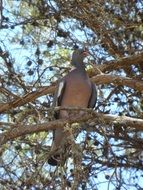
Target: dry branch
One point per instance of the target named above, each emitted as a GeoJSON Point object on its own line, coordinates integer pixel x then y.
{"type": "Point", "coordinates": [99, 118]}
{"type": "Point", "coordinates": [117, 80]}
{"type": "Point", "coordinates": [29, 97]}
{"type": "Point", "coordinates": [122, 63]}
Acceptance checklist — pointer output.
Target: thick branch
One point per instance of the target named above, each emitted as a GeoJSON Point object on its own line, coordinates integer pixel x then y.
{"type": "Point", "coordinates": [97, 117]}
{"type": "Point", "coordinates": [29, 97]}
{"type": "Point", "coordinates": [117, 80]}
{"type": "Point", "coordinates": [121, 63]}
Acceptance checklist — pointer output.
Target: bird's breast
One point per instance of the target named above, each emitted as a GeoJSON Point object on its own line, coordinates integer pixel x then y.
{"type": "Point", "coordinates": [77, 91]}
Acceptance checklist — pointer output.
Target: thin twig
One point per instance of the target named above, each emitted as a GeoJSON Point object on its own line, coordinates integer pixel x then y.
{"type": "Point", "coordinates": [1, 19]}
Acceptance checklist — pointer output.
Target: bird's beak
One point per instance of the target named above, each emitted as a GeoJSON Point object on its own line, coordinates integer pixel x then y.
{"type": "Point", "coordinates": [85, 53]}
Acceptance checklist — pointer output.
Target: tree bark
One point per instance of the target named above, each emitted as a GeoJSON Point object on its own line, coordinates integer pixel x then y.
{"type": "Point", "coordinates": [99, 118]}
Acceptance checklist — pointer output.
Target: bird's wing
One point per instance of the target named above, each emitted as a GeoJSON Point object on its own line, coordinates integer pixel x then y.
{"type": "Point", "coordinates": [93, 97]}
{"type": "Point", "coordinates": [58, 96]}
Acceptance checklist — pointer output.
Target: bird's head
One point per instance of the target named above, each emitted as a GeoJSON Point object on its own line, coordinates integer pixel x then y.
{"type": "Point", "coordinates": [78, 57]}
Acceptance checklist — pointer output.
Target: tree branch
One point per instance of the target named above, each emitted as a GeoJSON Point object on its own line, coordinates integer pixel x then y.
{"type": "Point", "coordinates": [85, 15]}
{"type": "Point", "coordinates": [29, 97]}
{"type": "Point", "coordinates": [1, 10]}
{"type": "Point", "coordinates": [117, 80]}
{"type": "Point", "coordinates": [121, 63]}
{"type": "Point", "coordinates": [113, 164]}
{"type": "Point", "coordinates": [98, 118]}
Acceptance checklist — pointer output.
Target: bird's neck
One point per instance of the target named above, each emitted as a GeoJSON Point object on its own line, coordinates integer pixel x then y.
{"type": "Point", "coordinates": [79, 66]}
{"type": "Point", "coordinates": [82, 71]}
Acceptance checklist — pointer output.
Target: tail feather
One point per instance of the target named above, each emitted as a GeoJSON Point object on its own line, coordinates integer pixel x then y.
{"type": "Point", "coordinates": [54, 160]}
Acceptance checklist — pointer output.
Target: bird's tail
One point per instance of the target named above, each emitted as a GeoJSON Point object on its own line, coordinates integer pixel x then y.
{"type": "Point", "coordinates": [54, 160]}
